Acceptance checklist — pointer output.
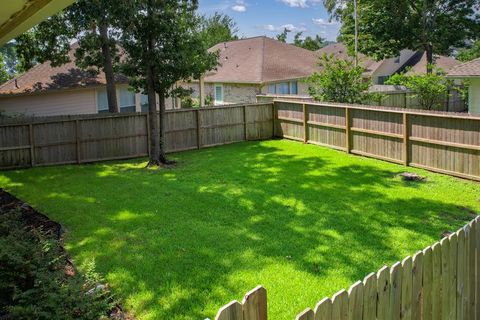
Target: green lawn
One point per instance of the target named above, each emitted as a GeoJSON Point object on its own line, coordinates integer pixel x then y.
{"type": "Point", "coordinates": [303, 221]}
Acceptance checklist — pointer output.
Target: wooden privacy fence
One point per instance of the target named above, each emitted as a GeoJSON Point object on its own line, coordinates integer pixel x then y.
{"type": "Point", "coordinates": [442, 282]}
{"type": "Point", "coordinates": [438, 141]}
{"type": "Point", "coordinates": [91, 138]}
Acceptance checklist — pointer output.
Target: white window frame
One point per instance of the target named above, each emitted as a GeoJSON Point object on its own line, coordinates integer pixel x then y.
{"type": "Point", "coordinates": [218, 102]}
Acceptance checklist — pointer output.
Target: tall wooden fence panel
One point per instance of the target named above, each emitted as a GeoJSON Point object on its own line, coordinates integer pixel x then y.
{"type": "Point", "coordinates": [438, 141]}
{"type": "Point", "coordinates": [90, 138]}
{"type": "Point", "coordinates": [441, 282]}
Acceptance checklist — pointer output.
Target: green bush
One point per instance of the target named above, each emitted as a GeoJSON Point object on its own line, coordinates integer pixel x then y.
{"type": "Point", "coordinates": [33, 283]}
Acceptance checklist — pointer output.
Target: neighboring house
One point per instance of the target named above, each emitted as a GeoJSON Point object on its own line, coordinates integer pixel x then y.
{"type": "Point", "coordinates": [469, 71]}
{"type": "Point", "coordinates": [66, 90]}
{"type": "Point", "coordinates": [253, 66]}
{"type": "Point", "coordinates": [380, 71]}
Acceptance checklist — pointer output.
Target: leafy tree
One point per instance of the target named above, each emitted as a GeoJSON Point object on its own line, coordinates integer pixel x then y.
{"type": "Point", "coordinates": [388, 26]}
{"type": "Point", "coordinates": [10, 59]}
{"type": "Point", "coordinates": [163, 47]}
{"type": "Point", "coordinates": [4, 76]}
{"type": "Point", "coordinates": [282, 37]}
{"type": "Point", "coordinates": [430, 89]}
{"type": "Point", "coordinates": [308, 43]}
{"type": "Point", "coordinates": [89, 23]}
{"type": "Point", "coordinates": [218, 28]}
{"type": "Point", "coordinates": [338, 81]}
{"type": "Point", "coordinates": [468, 54]}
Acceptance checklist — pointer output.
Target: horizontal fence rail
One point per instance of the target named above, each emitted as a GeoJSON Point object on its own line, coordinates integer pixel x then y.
{"type": "Point", "coordinates": [91, 138]}
{"type": "Point", "coordinates": [441, 282]}
{"type": "Point", "coordinates": [444, 142]}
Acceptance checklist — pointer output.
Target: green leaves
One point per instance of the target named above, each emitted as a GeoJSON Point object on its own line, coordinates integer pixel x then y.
{"type": "Point", "coordinates": [339, 81]}
{"type": "Point", "coordinates": [430, 89]}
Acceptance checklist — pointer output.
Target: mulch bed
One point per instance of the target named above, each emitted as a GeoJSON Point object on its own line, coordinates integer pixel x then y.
{"type": "Point", "coordinates": [36, 220]}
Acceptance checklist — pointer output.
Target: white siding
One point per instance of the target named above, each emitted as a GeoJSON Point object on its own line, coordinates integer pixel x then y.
{"type": "Point", "coordinates": [474, 96]}
{"type": "Point", "coordinates": [82, 101]}
{"type": "Point", "coordinates": [390, 66]}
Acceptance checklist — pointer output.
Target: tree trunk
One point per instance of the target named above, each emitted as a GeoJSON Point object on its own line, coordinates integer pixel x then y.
{"type": "Point", "coordinates": [153, 120]}
{"type": "Point", "coordinates": [429, 53]}
{"type": "Point", "coordinates": [108, 69]}
{"type": "Point", "coordinates": [162, 157]}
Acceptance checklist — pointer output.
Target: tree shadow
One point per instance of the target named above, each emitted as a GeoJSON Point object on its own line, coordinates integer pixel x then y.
{"type": "Point", "coordinates": [301, 220]}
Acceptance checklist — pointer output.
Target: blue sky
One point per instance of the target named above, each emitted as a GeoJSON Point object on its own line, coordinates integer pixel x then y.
{"type": "Point", "coordinates": [269, 17]}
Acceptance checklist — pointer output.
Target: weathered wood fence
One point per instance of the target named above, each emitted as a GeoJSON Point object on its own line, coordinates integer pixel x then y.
{"type": "Point", "coordinates": [91, 138]}
{"type": "Point", "coordinates": [441, 282]}
{"type": "Point", "coordinates": [438, 141]}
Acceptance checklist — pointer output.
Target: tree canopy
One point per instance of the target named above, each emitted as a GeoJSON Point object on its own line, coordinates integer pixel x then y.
{"type": "Point", "coordinates": [388, 26]}
{"type": "Point", "coordinates": [218, 28]}
{"type": "Point", "coordinates": [470, 53]}
{"type": "Point", "coordinates": [309, 43]}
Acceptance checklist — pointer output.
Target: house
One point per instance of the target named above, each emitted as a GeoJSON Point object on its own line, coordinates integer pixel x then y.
{"type": "Point", "coordinates": [469, 71]}
{"type": "Point", "coordinates": [258, 65]}
{"type": "Point", "coordinates": [380, 71]}
{"type": "Point", "coordinates": [66, 90]}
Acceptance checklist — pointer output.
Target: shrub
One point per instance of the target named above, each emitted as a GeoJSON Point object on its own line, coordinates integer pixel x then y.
{"type": "Point", "coordinates": [33, 283]}
{"type": "Point", "coordinates": [338, 81]}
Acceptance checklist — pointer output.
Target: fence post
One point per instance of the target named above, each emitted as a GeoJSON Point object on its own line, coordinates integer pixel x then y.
{"type": "Point", "coordinates": [77, 140]}
{"type": "Point", "coordinates": [273, 119]}
{"type": "Point", "coordinates": [198, 129]}
{"type": "Point", "coordinates": [406, 140]}
{"type": "Point", "coordinates": [32, 146]}
{"type": "Point", "coordinates": [405, 99]}
{"type": "Point", "coordinates": [305, 123]}
{"type": "Point", "coordinates": [245, 122]}
{"type": "Point", "coordinates": [347, 130]}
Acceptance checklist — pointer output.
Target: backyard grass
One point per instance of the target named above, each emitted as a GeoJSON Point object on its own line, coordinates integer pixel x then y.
{"type": "Point", "coordinates": [303, 221]}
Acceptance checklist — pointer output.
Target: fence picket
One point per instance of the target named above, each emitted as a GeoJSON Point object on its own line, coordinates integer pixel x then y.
{"type": "Point", "coordinates": [477, 269]}
{"type": "Point", "coordinates": [446, 276]}
{"type": "Point", "coordinates": [452, 262]}
{"type": "Point", "coordinates": [231, 311]}
{"type": "Point", "coordinates": [436, 281]}
{"type": "Point", "coordinates": [340, 306]}
{"type": "Point", "coordinates": [396, 291]}
{"type": "Point", "coordinates": [370, 297]}
{"type": "Point", "coordinates": [471, 269]}
{"type": "Point", "coordinates": [355, 301]}
{"type": "Point", "coordinates": [417, 279]}
{"type": "Point", "coordinates": [427, 283]}
{"type": "Point", "coordinates": [407, 283]}
{"type": "Point", "coordinates": [254, 304]}
{"type": "Point", "coordinates": [383, 291]}
{"type": "Point", "coordinates": [461, 274]}
{"type": "Point", "coordinates": [323, 310]}
{"type": "Point", "coordinates": [306, 314]}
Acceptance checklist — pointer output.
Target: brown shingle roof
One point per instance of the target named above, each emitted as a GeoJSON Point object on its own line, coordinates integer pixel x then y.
{"type": "Point", "coordinates": [260, 60]}
{"type": "Point", "coordinates": [418, 63]}
{"type": "Point", "coordinates": [43, 78]}
{"type": "Point", "coordinates": [467, 69]}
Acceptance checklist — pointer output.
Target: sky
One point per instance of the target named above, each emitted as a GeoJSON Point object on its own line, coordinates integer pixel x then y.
{"type": "Point", "coordinates": [270, 17]}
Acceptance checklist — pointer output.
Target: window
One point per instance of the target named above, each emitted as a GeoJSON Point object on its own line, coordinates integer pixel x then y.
{"type": "Point", "coordinates": [397, 60]}
{"type": "Point", "coordinates": [283, 88]}
{"type": "Point", "coordinates": [271, 88]}
{"type": "Point", "coordinates": [382, 79]}
{"type": "Point", "coordinates": [127, 100]}
{"type": "Point", "coordinates": [144, 102]}
{"type": "Point", "coordinates": [218, 94]}
{"type": "Point", "coordinates": [293, 87]}
{"type": "Point", "coordinates": [102, 101]}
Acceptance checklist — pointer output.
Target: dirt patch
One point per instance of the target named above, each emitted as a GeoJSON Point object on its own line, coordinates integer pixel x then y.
{"type": "Point", "coordinates": [36, 220]}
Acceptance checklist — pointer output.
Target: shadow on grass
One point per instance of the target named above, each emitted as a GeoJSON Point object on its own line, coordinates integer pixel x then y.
{"type": "Point", "coordinates": [178, 244]}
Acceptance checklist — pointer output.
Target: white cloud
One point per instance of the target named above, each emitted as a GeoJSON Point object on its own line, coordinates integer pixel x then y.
{"type": "Point", "coordinates": [301, 3]}
{"type": "Point", "coordinates": [323, 22]}
{"type": "Point", "coordinates": [240, 6]}
{"type": "Point", "coordinates": [288, 26]}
